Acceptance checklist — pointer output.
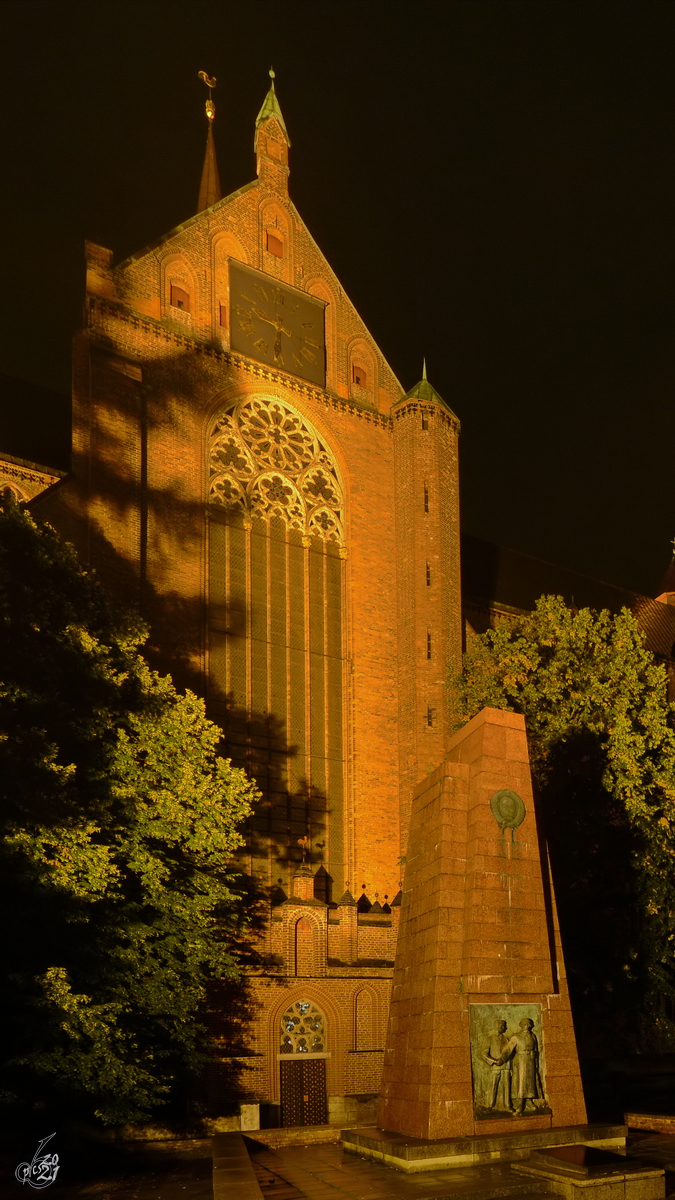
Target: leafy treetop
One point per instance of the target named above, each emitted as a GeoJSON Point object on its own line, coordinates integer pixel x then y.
{"type": "Point", "coordinates": [118, 824]}
{"type": "Point", "coordinates": [602, 747]}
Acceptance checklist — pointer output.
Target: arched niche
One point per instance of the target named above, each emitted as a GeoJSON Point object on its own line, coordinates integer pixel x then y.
{"type": "Point", "coordinates": [225, 246]}
{"type": "Point", "coordinates": [276, 246]}
{"type": "Point", "coordinates": [320, 289]}
{"type": "Point", "coordinates": [366, 1033]}
{"type": "Point", "coordinates": [306, 950]}
{"type": "Point", "coordinates": [179, 292]}
{"type": "Point", "coordinates": [362, 375]}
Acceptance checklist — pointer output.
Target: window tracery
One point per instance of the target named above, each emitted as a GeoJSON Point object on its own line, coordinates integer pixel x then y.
{"type": "Point", "coordinates": [266, 461]}
{"type": "Point", "coordinates": [302, 1029]}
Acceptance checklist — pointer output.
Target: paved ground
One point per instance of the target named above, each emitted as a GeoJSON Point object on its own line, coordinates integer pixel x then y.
{"type": "Point", "coordinates": [317, 1172]}
{"type": "Point", "coordinates": [325, 1172]}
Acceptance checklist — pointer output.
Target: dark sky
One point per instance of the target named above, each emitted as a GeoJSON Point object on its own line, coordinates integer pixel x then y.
{"type": "Point", "coordinates": [492, 181]}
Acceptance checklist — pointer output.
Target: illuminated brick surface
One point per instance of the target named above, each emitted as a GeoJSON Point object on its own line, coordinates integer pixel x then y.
{"type": "Point", "coordinates": [151, 380]}
{"type": "Point", "coordinates": [478, 926]}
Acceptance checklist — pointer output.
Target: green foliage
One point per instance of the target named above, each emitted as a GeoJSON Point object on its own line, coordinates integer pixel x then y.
{"type": "Point", "coordinates": [602, 746]}
{"type": "Point", "coordinates": [117, 829]}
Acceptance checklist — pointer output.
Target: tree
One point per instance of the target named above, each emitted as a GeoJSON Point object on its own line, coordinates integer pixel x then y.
{"type": "Point", "coordinates": [602, 746]}
{"type": "Point", "coordinates": [118, 825]}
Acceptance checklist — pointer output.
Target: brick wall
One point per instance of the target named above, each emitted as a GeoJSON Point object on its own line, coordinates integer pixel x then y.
{"type": "Point", "coordinates": [153, 368]}
{"type": "Point", "coordinates": [429, 597]}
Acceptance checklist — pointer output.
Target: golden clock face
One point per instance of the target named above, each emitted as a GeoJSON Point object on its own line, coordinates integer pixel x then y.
{"type": "Point", "coordinates": [277, 324]}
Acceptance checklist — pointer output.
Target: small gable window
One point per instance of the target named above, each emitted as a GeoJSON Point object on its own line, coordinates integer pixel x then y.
{"type": "Point", "coordinates": [275, 245]}
{"type": "Point", "coordinates": [179, 298]}
{"type": "Point", "coordinates": [359, 375]}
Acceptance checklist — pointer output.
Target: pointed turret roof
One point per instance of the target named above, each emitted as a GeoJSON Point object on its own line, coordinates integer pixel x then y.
{"type": "Point", "coordinates": [425, 391]}
{"type": "Point", "coordinates": [270, 108]}
{"type": "Point", "coordinates": [209, 188]}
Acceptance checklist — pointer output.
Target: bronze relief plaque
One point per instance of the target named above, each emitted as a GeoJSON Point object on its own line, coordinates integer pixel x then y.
{"type": "Point", "coordinates": [507, 1061]}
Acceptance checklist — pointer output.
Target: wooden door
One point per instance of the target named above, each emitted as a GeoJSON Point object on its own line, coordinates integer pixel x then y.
{"type": "Point", "coordinates": [303, 1092]}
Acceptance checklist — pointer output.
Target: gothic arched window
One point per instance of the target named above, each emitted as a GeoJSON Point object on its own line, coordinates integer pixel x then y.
{"type": "Point", "coordinates": [276, 506]}
{"type": "Point", "coordinates": [303, 1029]}
{"type": "Point", "coordinates": [265, 461]}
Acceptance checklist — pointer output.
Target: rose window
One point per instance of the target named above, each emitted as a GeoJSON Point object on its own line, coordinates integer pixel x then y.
{"type": "Point", "coordinates": [302, 1029]}
{"type": "Point", "coordinates": [265, 460]}
{"type": "Point", "coordinates": [276, 435]}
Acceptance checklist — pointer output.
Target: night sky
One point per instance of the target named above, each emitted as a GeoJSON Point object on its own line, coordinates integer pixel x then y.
{"type": "Point", "coordinates": [492, 181]}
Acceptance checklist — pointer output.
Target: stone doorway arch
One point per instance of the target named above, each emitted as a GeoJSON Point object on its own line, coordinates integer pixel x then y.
{"type": "Point", "coordinates": [302, 1063]}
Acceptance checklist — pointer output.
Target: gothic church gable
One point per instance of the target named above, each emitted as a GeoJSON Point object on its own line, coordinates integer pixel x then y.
{"type": "Point", "coordinates": [184, 281]}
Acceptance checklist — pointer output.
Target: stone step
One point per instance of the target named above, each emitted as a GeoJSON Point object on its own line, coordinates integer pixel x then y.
{"type": "Point", "coordinates": [294, 1135]}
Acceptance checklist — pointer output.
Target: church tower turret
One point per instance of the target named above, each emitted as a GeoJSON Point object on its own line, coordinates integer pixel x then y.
{"type": "Point", "coordinates": [272, 142]}
{"type": "Point", "coordinates": [426, 434]}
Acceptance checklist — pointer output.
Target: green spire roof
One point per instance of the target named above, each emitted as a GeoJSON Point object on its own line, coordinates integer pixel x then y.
{"type": "Point", "coordinates": [270, 108]}
{"type": "Point", "coordinates": [425, 391]}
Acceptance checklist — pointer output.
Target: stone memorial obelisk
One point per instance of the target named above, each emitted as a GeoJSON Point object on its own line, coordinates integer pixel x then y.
{"type": "Point", "coordinates": [480, 1037]}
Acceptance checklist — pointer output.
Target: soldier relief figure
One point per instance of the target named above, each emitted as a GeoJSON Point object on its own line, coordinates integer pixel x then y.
{"type": "Point", "coordinates": [514, 1067]}
{"type": "Point", "coordinates": [523, 1050]}
{"type": "Point", "coordinates": [492, 1052]}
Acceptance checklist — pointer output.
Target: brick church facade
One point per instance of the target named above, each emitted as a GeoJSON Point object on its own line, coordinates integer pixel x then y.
{"type": "Point", "coordinates": [248, 468]}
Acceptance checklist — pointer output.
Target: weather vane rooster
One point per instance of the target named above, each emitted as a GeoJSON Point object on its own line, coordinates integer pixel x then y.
{"type": "Point", "coordinates": [210, 83]}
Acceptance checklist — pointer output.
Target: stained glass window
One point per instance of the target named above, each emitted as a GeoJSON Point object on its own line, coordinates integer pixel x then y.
{"type": "Point", "coordinates": [302, 1029]}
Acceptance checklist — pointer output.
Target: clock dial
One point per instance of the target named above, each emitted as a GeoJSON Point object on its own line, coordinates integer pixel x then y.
{"type": "Point", "coordinates": [277, 324]}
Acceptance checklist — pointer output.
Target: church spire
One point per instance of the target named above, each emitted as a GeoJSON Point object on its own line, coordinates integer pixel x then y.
{"type": "Point", "coordinates": [270, 108]}
{"type": "Point", "coordinates": [209, 188]}
{"type": "Point", "coordinates": [272, 141]}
